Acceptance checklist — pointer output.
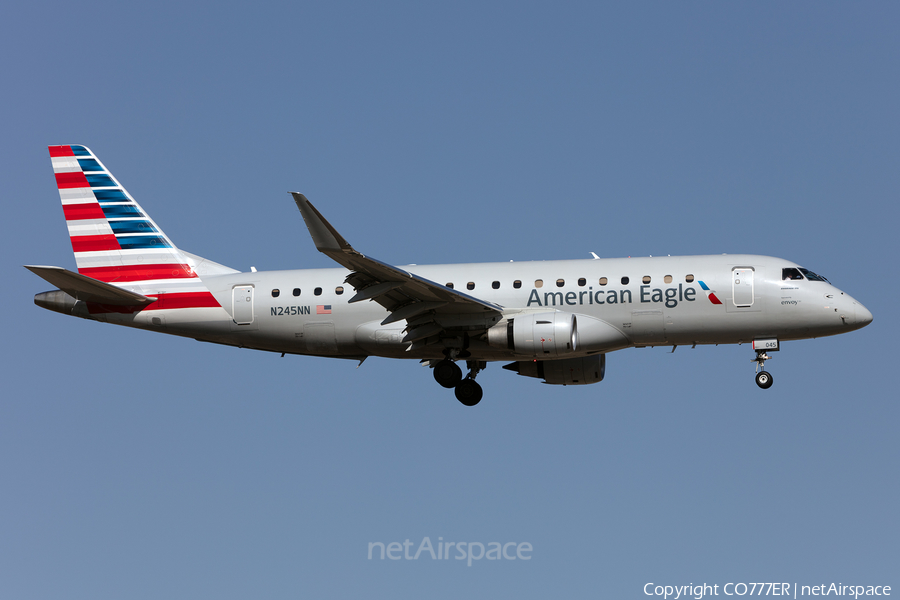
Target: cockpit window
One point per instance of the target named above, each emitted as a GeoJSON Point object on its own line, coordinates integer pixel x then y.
{"type": "Point", "coordinates": [812, 276]}
{"type": "Point", "coordinates": [791, 274]}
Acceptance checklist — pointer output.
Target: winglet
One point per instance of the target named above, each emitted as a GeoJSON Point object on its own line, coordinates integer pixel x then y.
{"type": "Point", "coordinates": [323, 234]}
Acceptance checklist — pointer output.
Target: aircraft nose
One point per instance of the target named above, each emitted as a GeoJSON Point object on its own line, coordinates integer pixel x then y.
{"type": "Point", "coordinates": [863, 316]}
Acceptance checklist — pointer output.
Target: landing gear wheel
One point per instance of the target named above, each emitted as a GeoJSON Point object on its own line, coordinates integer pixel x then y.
{"type": "Point", "coordinates": [764, 380]}
{"type": "Point", "coordinates": [469, 392]}
{"type": "Point", "coordinates": [447, 373]}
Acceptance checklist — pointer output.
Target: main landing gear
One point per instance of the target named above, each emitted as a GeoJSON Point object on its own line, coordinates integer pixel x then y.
{"type": "Point", "coordinates": [449, 375]}
{"type": "Point", "coordinates": [763, 378]}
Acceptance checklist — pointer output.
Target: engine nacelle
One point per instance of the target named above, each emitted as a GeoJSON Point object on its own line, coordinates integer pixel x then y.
{"type": "Point", "coordinates": [542, 335]}
{"type": "Point", "coordinates": [566, 371]}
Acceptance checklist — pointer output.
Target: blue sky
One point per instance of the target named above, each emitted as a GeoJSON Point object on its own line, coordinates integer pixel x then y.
{"type": "Point", "coordinates": [143, 466]}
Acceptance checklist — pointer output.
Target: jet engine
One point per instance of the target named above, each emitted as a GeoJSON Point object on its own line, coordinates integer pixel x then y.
{"type": "Point", "coordinates": [566, 371]}
{"type": "Point", "coordinates": [548, 335]}
{"type": "Point", "coordinates": [542, 335]}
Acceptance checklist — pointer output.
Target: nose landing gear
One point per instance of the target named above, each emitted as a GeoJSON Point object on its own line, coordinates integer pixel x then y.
{"type": "Point", "coordinates": [763, 378]}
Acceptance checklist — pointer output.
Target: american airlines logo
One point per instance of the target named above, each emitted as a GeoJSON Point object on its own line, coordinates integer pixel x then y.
{"type": "Point", "coordinates": [710, 293]}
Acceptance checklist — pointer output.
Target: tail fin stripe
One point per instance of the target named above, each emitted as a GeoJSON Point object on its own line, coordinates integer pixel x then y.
{"type": "Point", "coordinates": [121, 211]}
{"type": "Point", "coordinates": [164, 302]}
{"type": "Point", "coordinates": [90, 164]}
{"type": "Point", "coordinates": [99, 180]}
{"type": "Point", "coordinates": [184, 300]}
{"type": "Point", "coordinates": [136, 242]}
{"type": "Point", "coordinates": [94, 243]}
{"type": "Point", "coordinates": [153, 256]}
{"type": "Point", "coordinates": [88, 227]}
{"type": "Point", "coordinates": [75, 179]}
{"type": "Point", "coordinates": [111, 196]}
{"type": "Point", "coordinates": [80, 212]}
{"type": "Point", "coordinates": [141, 226]}
{"type": "Point", "coordinates": [76, 196]}
{"type": "Point", "coordinates": [139, 273]}
{"type": "Point", "coordinates": [65, 164]}
{"type": "Point", "coordinates": [61, 151]}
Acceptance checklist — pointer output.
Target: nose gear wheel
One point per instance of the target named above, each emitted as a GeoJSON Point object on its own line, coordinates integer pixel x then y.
{"type": "Point", "coordinates": [764, 379]}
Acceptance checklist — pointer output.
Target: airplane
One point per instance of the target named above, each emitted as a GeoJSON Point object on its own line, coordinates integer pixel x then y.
{"type": "Point", "coordinates": [554, 320]}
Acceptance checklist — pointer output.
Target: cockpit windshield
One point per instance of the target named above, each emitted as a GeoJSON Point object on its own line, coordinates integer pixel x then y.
{"type": "Point", "coordinates": [812, 276]}
{"type": "Point", "coordinates": [797, 274]}
{"type": "Point", "coordinates": [791, 274]}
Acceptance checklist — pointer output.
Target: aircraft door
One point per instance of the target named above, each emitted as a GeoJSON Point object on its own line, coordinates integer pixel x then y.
{"type": "Point", "coordinates": [742, 286]}
{"type": "Point", "coordinates": [320, 338]}
{"type": "Point", "coordinates": [648, 327]}
{"type": "Point", "coordinates": [242, 305]}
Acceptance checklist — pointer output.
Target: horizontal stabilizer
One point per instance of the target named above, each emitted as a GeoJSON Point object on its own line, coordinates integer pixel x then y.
{"type": "Point", "coordinates": [88, 289]}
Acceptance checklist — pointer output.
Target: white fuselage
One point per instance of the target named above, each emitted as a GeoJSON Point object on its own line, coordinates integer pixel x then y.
{"type": "Point", "coordinates": [662, 303]}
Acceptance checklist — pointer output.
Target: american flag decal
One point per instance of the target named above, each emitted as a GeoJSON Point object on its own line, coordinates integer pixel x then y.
{"type": "Point", "coordinates": [323, 309]}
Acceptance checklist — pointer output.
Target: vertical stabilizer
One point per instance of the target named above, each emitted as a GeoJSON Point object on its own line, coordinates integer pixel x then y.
{"type": "Point", "coordinates": [114, 240]}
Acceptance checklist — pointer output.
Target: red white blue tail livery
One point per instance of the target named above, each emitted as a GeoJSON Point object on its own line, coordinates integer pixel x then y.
{"type": "Point", "coordinates": [115, 241]}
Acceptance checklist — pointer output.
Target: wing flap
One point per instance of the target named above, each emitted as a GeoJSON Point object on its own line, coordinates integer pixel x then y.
{"type": "Point", "coordinates": [373, 291]}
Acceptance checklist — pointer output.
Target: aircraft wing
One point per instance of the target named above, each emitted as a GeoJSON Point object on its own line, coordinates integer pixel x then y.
{"type": "Point", "coordinates": [404, 294]}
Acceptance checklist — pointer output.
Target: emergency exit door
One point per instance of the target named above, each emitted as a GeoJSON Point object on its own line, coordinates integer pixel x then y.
{"type": "Point", "coordinates": [742, 286]}
{"type": "Point", "coordinates": [243, 304]}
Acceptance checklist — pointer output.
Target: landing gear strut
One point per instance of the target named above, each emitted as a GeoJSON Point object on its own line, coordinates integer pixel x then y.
{"type": "Point", "coordinates": [468, 391]}
{"type": "Point", "coordinates": [763, 378]}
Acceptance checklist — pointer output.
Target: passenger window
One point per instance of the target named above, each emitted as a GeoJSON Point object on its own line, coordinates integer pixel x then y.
{"type": "Point", "coordinates": [317, 291]}
{"type": "Point", "coordinates": [560, 282]}
{"type": "Point", "coordinates": [582, 281]}
{"type": "Point", "coordinates": [646, 279]}
{"type": "Point", "coordinates": [339, 290]}
{"type": "Point", "coordinates": [791, 274]}
{"type": "Point", "coordinates": [276, 293]}
{"type": "Point", "coordinates": [496, 285]}
{"type": "Point", "coordinates": [538, 283]}
{"type": "Point", "coordinates": [517, 284]}
{"type": "Point", "coordinates": [470, 285]}
{"type": "Point", "coordinates": [604, 281]}
{"type": "Point", "coordinates": [449, 285]}
{"type": "Point", "coordinates": [296, 291]}
{"type": "Point", "coordinates": [667, 279]}
{"type": "Point", "coordinates": [689, 278]}
{"type": "Point", "coordinates": [625, 281]}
